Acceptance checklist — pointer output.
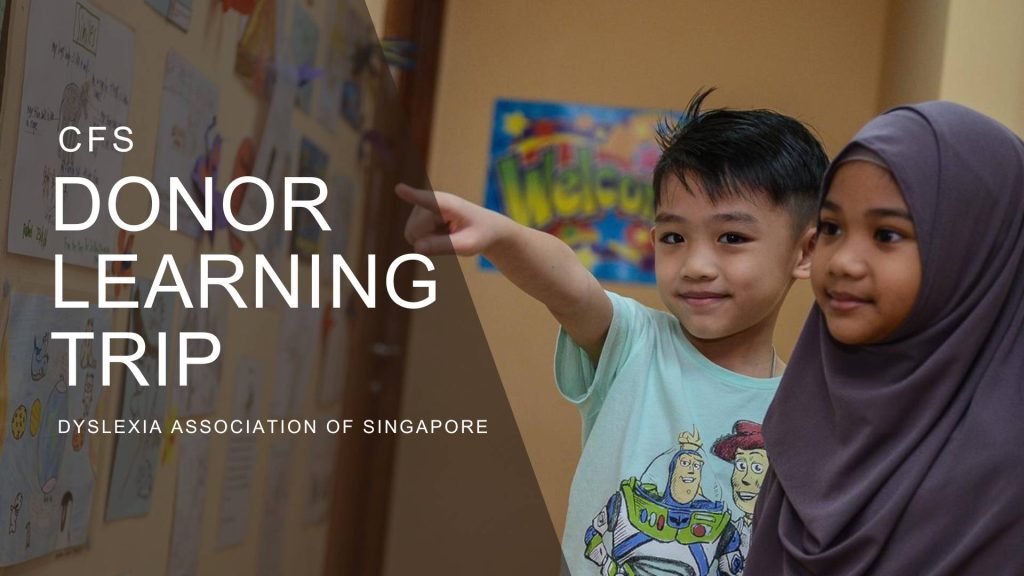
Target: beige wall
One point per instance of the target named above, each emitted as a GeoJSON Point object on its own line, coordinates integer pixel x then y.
{"type": "Point", "coordinates": [984, 58]}
{"type": "Point", "coordinates": [821, 62]}
{"type": "Point", "coordinates": [914, 48]}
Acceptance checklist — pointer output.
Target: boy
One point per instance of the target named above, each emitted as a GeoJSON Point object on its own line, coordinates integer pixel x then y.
{"type": "Point", "coordinates": [735, 197]}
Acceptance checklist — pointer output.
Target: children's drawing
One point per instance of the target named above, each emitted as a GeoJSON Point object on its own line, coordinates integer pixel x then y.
{"type": "Point", "coordinates": [275, 507]}
{"type": "Point", "coordinates": [342, 212]}
{"type": "Point", "coordinates": [185, 141]}
{"type": "Point", "coordinates": [200, 396]}
{"type": "Point", "coordinates": [260, 45]}
{"type": "Point", "coordinates": [189, 502]}
{"type": "Point", "coordinates": [297, 351]}
{"type": "Point", "coordinates": [306, 230]}
{"type": "Point", "coordinates": [333, 353]}
{"type": "Point", "coordinates": [53, 475]}
{"type": "Point", "coordinates": [78, 73]}
{"type": "Point", "coordinates": [305, 37]}
{"type": "Point", "coordinates": [12, 526]}
{"type": "Point", "coordinates": [178, 12]}
{"type": "Point", "coordinates": [136, 455]}
{"type": "Point", "coordinates": [243, 449]}
{"type": "Point", "coordinates": [336, 67]}
{"type": "Point", "coordinates": [40, 356]}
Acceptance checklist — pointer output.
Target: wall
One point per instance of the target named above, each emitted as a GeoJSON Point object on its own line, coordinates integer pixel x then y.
{"type": "Point", "coordinates": [821, 62]}
{"type": "Point", "coordinates": [914, 49]}
{"type": "Point", "coordinates": [983, 66]}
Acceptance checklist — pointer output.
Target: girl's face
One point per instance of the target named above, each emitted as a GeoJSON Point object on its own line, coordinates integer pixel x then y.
{"type": "Point", "coordinates": [866, 268]}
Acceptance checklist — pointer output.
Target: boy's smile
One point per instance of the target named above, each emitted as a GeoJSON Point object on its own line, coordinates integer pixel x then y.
{"type": "Point", "coordinates": [723, 268]}
{"type": "Point", "coordinates": [866, 269]}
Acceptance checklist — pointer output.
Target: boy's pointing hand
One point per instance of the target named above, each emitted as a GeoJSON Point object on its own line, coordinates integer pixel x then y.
{"type": "Point", "coordinates": [443, 223]}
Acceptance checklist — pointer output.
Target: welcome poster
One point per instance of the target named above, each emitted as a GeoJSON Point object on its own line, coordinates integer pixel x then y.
{"type": "Point", "coordinates": [582, 173]}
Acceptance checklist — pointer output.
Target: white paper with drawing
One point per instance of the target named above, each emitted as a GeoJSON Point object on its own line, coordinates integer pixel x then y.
{"type": "Point", "coordinates": [189, 499]}
{"type": "Point", "coordinates": [199, 398]}
{"type": "Point", "coordinates": [47, 484]}
{"type": "Point", "coordinates": [137, 456]}
{"type": "Point", "coordinates": [236, 489]}
{"type": "Point", "coordinates": [188, 142]}
{"type": "Point", "coordinates": [320, 475]}
{"type": "Point", "coordinates": [275, 507]}
{"type": "Point", "coordinates": [334, 343]}
{"type": "Point", "coordinates": [296, 353]}
{"type": "Point", "coordinates": [78, 72]}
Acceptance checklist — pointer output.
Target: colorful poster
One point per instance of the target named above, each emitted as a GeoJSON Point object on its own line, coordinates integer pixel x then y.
{"type": "Point", "coordinates": [78, 73]}
{"type": "Point", "coordinates": [583, 174]}
{"type": "Point", "coordinates": [137, 456]}
{"type": "Point", "coordinates": [305, 38]}
{"type": "Point", "coordinates": [305, 229]}
{"type": "Point", "coordinates": [48, 480]}
{"type": "Point", "coordinates": [188, 143]}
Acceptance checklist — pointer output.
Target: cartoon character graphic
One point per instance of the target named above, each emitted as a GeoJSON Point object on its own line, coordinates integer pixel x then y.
{"type": "Point", "coordinates": [744, 448]}
{"type": "Point", "coordinates": [12, 526]}
{"type": "Point", "coordinates": [676, 531]}
{"type": "Point", "coordinates": [90, 378]}
{"type": "Point", "coordinates": [51, 441]}
{"type": "Point", "coordinates": [18, 421]}
{"type": "Point", "coordinates": [64, 528]}
{"type": "Point", "coordinates": [88, 360]}
{"type": "Point", "coordinates": [40, 357]}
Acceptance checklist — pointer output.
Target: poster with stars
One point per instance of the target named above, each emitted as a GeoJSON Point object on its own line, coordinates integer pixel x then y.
{"type": "Point", "coordinates": [582, 173]}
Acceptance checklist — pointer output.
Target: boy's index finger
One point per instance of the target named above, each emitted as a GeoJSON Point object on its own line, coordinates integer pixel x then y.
{"type": "Point", "coordinates": [417, 197]}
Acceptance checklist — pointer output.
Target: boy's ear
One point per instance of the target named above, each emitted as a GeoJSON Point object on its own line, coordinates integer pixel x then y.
{"type": "Point", "coordinates": [651, 236]}
{"type": "Point", "coordinates": [802, 270]}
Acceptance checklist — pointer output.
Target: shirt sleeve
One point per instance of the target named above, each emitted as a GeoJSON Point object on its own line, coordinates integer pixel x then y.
{"type": "Point", "coordinates": [577, 378]}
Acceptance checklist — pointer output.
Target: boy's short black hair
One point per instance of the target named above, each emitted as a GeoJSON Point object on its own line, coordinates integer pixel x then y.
{"type": "Point", "coordinates": [747, 154]}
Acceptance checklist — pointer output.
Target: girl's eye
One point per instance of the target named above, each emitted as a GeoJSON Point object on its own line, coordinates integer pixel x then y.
{"type": "Point", "coordinates": [888, 236]}
{"type": "Point", "coordinates": [827, 228]}
{"type": "Point", "coordinates": [732, 238]}
{"type": "Point", "coordinates": [671, 238]}
{"type": "Point", "coordinates": [741, 465]}
{"type": "Point", "coordinates": [757, 468]}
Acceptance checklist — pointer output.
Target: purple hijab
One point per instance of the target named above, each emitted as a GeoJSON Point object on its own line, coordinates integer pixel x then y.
{"type": "Point", "coordinates": [905, 457]}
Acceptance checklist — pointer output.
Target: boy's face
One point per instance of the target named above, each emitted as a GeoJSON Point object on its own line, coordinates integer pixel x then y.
{"type": "Point", "coordinates": [723, 269]}
{"type": "Point", "coordinates": [866, 269]}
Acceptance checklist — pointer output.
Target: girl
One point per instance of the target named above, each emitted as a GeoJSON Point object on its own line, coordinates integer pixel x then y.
{"type": "Point", "coordinates": [894, 437]}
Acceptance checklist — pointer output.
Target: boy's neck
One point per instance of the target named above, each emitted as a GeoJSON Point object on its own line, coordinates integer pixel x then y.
{"type": "Point", "coordinates": [750, 352]}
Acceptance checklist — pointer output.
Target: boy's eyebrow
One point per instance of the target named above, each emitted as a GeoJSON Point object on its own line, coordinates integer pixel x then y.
{"type": "Point", "coordinates": [668, 217]}
{"type": "Point", "coordinates": [742, 217]}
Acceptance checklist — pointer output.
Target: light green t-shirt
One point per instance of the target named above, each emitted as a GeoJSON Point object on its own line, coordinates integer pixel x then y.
{"type": "Point", "coordinates": [652, 408]}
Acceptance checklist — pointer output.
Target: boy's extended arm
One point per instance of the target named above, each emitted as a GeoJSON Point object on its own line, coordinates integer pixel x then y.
{"type": "Point", "coordinates": [538, 263]}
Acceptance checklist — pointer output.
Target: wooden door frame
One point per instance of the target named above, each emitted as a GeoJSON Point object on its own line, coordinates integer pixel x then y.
{"type": "Point", "coordinates": [360, 508]}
